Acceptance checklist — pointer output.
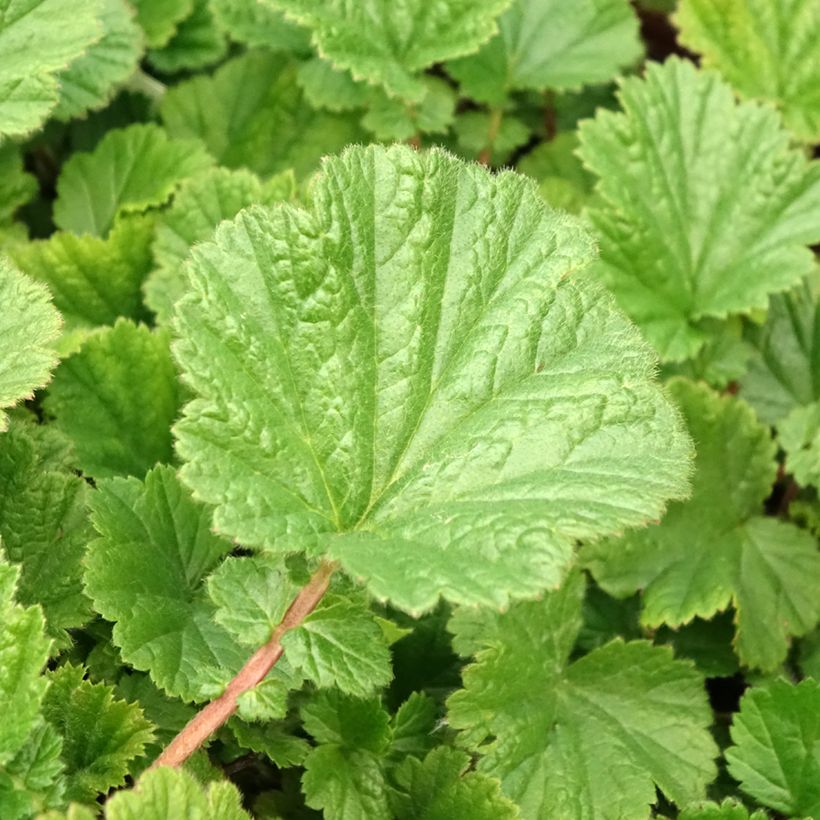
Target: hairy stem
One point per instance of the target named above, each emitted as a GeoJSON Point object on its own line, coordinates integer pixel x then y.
{"type": "Point", "coordinates": [217, 712]}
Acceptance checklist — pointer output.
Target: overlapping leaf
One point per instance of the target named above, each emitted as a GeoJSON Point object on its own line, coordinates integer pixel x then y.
{"type": "Point", "coordinates": [767, 49]}
{"type": "Point", "coordinates": [16, 186]}
{"type": "Point", "coordinates": [588, 739]}
{"type": "Point", "coordinates": [420, 384]}
{"type": "Point", "coordinates": [706, 208]}
{"type": "Point", "coordinates": [717, 548]}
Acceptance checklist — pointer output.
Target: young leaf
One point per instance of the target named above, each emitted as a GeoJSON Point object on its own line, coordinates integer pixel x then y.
{"type": "Point", "coordinates": [767, 49]}
{"type": "Point", "coordinates": [706, 209]}
{"type": "Point", "coordinates": [391, 119]}
{"type": "Point", "coordinates": [260, 26]}
{"type": "Point", "coordinates": [388, 44]}
{"type": "Point", "coordinates": [551, 44]}
{"type": "Point", "coordinates": [116, 399]}
{"type": "Point", "coordinates": [421, 384]}
{"type": "Point", "coordinates": [586, 739]}
{"type": "Point", "coordinates": [784, 371]}
{"type": "Point", "coordinates": [799, 435]}
{"type": "Point", "coordinates": [38, 38]}
{"type": "Point", "coordinates": [101, 734]}
{"type": "Point", "coordinates": [91, 80]}
{"type": "Point", "coordinates": [29, 326]}
{"type": "Point", "coordinates": [145, 574]}
{"type": "Point", "coordinates": [131, 169]}
{"type": "Point", "coordinates": [44, 525]}
{"type": "Point", "coordinates": [717, 548]}
{"type": "Point", "coordinates": [201, 203]}
{"type": "Point", "coordinates": [165, 793]}
{"type": "Point", "coordinates": [251, 113]}
{"type": "Point", "coordinates": [442, 788]}
{"type": "Point", "coordinates": [197, 42]}
{"type": "Point", "coordinates": [327, 87]}
{"type": "Point", "coordinates": [94, 280]}
{"type": "Point", "coordinates": [159, 18]}
{"type": "Point", "coordinates": [774, 756]}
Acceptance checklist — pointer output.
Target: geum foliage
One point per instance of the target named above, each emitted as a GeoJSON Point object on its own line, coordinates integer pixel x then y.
{"type": "Point", "coordinates": [416, 379]}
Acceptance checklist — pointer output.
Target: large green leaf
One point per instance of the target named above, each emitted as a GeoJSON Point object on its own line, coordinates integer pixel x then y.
{"type": "Point", "coordinates": [415, 378]}
{"type": "Point", "coordinates": [717, 548]}
{"type": "Point", "coordinates": [38, 38]}
{"type": "Point", "coordinates": [706, 208]}
{"type": "Point", "coordinates": [551, 44]}
{"type": "Point", "coordinates": [586, 739]}
{"type": "Point", "coordinates": [389, 43]}
{"type": "Point", "coordinates": [29, 326]}
{"type": "Point", "coordinates": [767, 49]}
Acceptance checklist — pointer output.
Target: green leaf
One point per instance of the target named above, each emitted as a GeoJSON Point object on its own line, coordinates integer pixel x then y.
{"type": "Point", "coordinates": [198, 42]}
{"type": "Point", "coordinates": [765, 48]}
{"type": "Point", "coordinates": [282, 748]}
{"type": "Point", "coordinates": [776, 737]}
{"type": "Point", "coordinates": [251, 113]}
{"type": "Point", "coordinates": [413, 726]}
{"type": "Point", "coordinates": [799, 435]}
{"type": "Point", "coordinates": [333, 718]}
{"type": "Point", "coordinates": [131, 169]}
{"type": "Point", "coordinates": [94, 280]}
{"type": "Point", "coordinates": [717, 548]}
{"type": "Point", "coordinates": [728, 810]}
{"type": "Point", "coordinates": [260, 26]}
{"type": "Point", "coordinates": [16, 186]}
{"type": "Point", "coordinates": [784, 372]}
{"type": "Point", "coordinates": [101, 734]}
{"type": "Point", "coordinates": [551, 44]}
{"type": "Point", "coordinates": [145, 573]}
{"type": "Point", "coordinates": [706, 209]}
{"type": "Point", "coordinates": [392, 119]}
{"type": "Point", "coordinates": [588, 739]}
{"type": "Point", "coordinates": [442, 788]}
{"type": "Point", "coordinates": [476, 133]}
{"type": "Point", "coordinates": [159, 18]}
{"type": "Point", "coordinates": [340, 644]}
{"type": "Point", "coordinates": [44, 526]}
{"type": "Point", "coordinates": [29, 326]}
{"type": "Point", "coordinates": [39, 38]}
{"type": "Point", "coordinates": [165, 793]}
{"type": "Point", "coordinates": [201, 203]}
{"type": "Point", "coordinates": [422, 385]}
{"type": "Point", "coordinates": [91, 80]}
{"type": "Point", "coordinates": [327, 87]}
{"type": "Point", "coordinates": [388, 44]}
{"type": "Point", "coordinates": [116, 399]}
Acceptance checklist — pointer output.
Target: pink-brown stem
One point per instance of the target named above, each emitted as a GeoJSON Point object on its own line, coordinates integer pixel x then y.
{"type": "Point", "coordinates": [217, 712]}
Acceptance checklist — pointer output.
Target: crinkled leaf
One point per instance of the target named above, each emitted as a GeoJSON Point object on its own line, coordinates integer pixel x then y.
{"type": "Point", "coordinates": [421, 383]}
{"type": "Point", "coordinates": [29, 326]}
{"type": "Point", "coordinates": [340, 644]}
{"type": "Point", "coordinates": [16, 186]}
{"type": "Point", "coordinates": [165, 793]}
{"type": "Point", "coordinates": [479, 136]}
{"type": "Point", "coordinates": [442, 788]}
{"type": "Point", "coordinates": [92, 79]}
{"type": "Point", "coordinates": [388, 44]}
{"type": "Point", "coordinates": [251, 113]}
{"type": "Point", "coordinates": [145, 574]}
{"type": "Point", "coordinates": [333, 718]}
{"type": "Point", "coordinates": [130, 169]}
{"type": "Point", "coordinates": [767, 49]}
{"type": "Point", "coordinates": [728, 810]}
{"type": "Point", "coordinates": [44, 526]}
{"type": "Point", "coordinates": [201, 203]}
{"type": "Point", "coordinates": [706, 208]}
{"type": "Point", "coordinates": [116, 400]}
{"type": "Point", "coordinates": [198, 42]}
{"type": "Point", "coordinates": [551, 44]}
{"type": "Point", "coordinates": [784, 371]}
{"type": "Point", "coordinates": [776, 738]}
{"type": "Point", "coordinates": [588, 739]}
{"type": "Point", "coordinates": [279, 746]}
{"type": "Point", "coordinates": [717, 547]}
{"type": "Point", "coordinates": [159, 18]}
{"type": "Point", "coordinates": [799, 435]}
{"type": "Point", "coordinates": [328, 87]}
{"type": "Point", "coordinates": [260, 26]}
{"type": "Point", "coordinates": [38, 38]}
{"type": "Point", "coordinates": [94, 280]}
{"type": "Point", "coordinates": [392, 119]}
{"type": "Point", "coordinates": [101, 734]}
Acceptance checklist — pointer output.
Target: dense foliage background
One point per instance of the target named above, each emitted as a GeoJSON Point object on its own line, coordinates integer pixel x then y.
{"type": "Point", "coordinates": [559, 590]}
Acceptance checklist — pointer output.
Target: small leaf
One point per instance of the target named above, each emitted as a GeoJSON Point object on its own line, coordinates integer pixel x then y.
{"type": "Point", "coordinates": [197, 42]}
{"type": "Point", "coordinates": [159, 18]}
{"type": "Point", "coordinates": [776, 736]}
{"type": "Point", "coordinates": [131, 169]}
{"type": "Point", "coordinates": [16, 186]}
{"type": "Point", "coordinates": [261, 26]}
